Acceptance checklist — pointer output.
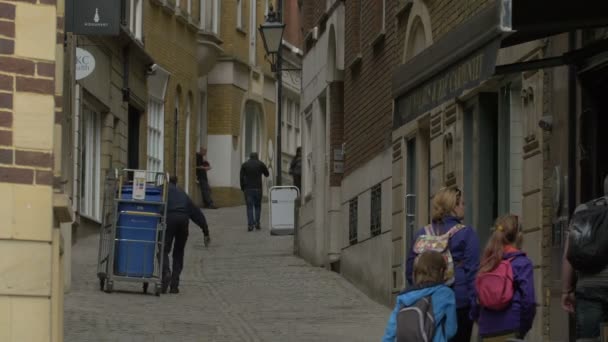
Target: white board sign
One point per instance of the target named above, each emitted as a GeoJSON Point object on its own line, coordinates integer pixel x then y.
{"type": "Point", "coordinates": [85, 63]}
{"type": "Point", "coordinates": [139, 185]}
{"type": "Point", "coordinates": [282, 209]}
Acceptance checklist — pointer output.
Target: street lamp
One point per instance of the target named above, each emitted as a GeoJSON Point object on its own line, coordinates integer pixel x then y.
{"type": "Point", "coordinates": [272, 35]}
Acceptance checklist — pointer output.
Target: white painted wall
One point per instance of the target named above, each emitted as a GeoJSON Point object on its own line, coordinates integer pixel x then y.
{"type": "Point", "coordinates": [225, 160]}
{"type": "Point", "coordinates": [315, 61]}
{"type": "Point", "coordinates": [367, 264]}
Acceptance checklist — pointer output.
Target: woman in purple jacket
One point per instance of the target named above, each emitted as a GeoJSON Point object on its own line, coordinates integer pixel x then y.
{"type": "Point", "coordinates": [516, 319]}
{"type": "Point", "coordinates": [448, 211]}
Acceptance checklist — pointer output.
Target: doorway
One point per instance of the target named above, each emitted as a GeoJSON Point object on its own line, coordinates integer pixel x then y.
{"type": "Point", "coordinates": [480, 130]}
{"type": "Point", "coordinates": [133, 138]}
{"type": "Point", "coordinates": [593, 161]}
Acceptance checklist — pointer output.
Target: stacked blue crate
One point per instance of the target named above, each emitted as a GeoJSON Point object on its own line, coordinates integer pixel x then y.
{"type": "Point", "coordinates": [136, 232]}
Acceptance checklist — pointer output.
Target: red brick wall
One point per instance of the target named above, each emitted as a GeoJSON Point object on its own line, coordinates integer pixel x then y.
{"type": "Point", "coordinates": [367, 89]}
{"type": "Point", "coordinates": [312, 10]}
{"type": "Point", "coordinates": [293, 23]}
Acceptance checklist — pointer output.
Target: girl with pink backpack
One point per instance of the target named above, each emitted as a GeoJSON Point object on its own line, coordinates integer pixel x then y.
{"type": "Point", "coordinates": [506, 306]}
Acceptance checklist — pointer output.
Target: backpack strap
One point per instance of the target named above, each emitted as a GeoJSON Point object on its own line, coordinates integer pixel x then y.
{"type": "Point", "coordinates": [456, 229]}
{"type": "Point", "coordinates": [428, 229]}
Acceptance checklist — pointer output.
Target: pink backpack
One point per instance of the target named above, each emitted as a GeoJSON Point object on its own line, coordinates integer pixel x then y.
{"type": "Point", "coordinates": [495, 288]}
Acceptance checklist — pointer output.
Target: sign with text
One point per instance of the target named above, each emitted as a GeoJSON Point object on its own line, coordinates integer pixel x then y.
{"type": "Point", "coordinates": [93, 17]}
{"type": "Point", "coordinates": [85, 63]}
{"type": "Point", "coordinates": [448, 84]}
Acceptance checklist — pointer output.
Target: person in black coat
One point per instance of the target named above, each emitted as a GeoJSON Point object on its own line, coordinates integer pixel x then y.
{"type": "Point", "coordinates": [180, 210]}
{"type": "Point", "coordinates": [295, 169]}
{"type": "Point", "coordinates": [251, 184]}
{"type": "Point", "coordinates": [202, 166]}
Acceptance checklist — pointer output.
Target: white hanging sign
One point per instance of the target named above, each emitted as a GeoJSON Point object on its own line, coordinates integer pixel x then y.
{"type": "Point", "coordinates": [85, 63]}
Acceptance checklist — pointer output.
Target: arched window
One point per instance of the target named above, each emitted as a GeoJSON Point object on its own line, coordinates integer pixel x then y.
{"type": "Point", "coordinates": [417, 39]}
{"type": "Point", "coordinates": [252, 130]}
{"type": "Point", "coordinates": [187, 156]}
{"type": "Point", "coordinates": [418, 35]}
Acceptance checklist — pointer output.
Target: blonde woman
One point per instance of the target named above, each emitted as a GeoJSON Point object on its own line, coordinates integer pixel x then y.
{"type": "Point", "coordinates": [447, 215]}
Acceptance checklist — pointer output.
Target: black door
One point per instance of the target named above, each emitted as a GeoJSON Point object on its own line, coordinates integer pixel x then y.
{"type": "Point", "coordinates": [133, 138]}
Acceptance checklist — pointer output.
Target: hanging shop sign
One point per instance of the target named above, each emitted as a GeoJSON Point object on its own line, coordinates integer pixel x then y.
{"type": "Point", "coordinates": [85, 63]}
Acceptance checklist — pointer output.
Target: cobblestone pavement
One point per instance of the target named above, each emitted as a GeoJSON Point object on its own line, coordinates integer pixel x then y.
{"type": "Point", "coordinates": [247, 286]}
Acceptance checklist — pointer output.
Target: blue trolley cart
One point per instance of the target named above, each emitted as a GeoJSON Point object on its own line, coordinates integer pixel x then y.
{"type": "Point", "coordinates": [132, 235]}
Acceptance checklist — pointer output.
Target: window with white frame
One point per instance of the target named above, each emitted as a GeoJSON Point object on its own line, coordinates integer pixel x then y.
{"type": "Point", "coordinates": [90, 159]}
{"type": "Point", "coordinates": [307, 155]}
{"type": "Point", "coordinates": [135, 17]}
{"type": "Point", "coordinates": [297, 123]}
{"type": "Point", "coordinates": [291, 136]}
{"type": "Point", "coordinates": [156, 124]}
{"type": "Point", "coordinates": [253, 51]}
{"type": "Point", "coordinates": [239, 14]}
{"type": "Point", "coordinates": [210, 15]}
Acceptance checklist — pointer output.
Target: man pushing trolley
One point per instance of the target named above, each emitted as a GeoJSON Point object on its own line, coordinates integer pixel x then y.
{"type": "Point", "coordinates": [180, 210]}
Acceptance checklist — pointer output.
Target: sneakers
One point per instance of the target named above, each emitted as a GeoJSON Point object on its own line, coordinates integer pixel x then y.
{"type": "Point", "coordinates": [257, 226]}
{"type": "Point", "coordinates": [174, 290]}
{"type": "Point", "coordinates": [250, 228]}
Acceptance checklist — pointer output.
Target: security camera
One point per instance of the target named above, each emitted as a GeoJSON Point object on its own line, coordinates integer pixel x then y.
{"type": "Point", "coordinates": [546, 123]}
{"type": "Point", "coordinates": [152, 69]}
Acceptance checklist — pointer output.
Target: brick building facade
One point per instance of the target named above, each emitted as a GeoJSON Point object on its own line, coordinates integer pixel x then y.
{"type": "Point", "coordinates": [175, 34]}
{"type": "Point", "coordinates": [484, 137]}
{"type": "Point", "coordinates": [33, 204]}
{"type": "Point", "coordinates": [241, 100]}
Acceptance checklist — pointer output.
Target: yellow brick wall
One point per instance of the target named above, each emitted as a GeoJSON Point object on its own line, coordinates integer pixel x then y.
{"type": "Point", "coordinates": [224, 107]}
{"type": "Point", "coordinates": [30, 106]}
{"type": "Point", "coordinates": [172, 44]}
{"type": "Point", "coordinates": [236, 43]}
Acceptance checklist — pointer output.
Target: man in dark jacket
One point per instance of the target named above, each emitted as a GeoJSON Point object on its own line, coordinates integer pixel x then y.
{"type": "Point", "coordinates": [202, 166]}
{"type": "Point", "coordinates": [180, 210]}
{"type": "Point", "coordinates": [251, 184]}
{"type": "Point", "coordinates": [295, 169]}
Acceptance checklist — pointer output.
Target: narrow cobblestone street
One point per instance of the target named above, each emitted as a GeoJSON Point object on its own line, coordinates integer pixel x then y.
{"type": "Point", "coordinates": [244, 287]}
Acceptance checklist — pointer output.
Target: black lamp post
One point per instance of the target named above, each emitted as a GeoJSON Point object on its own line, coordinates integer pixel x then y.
{"type": "Point", "coordinates": [272, 36]}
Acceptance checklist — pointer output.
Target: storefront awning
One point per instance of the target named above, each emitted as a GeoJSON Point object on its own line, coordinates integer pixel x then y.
{"type": "Point", "coordinates": [466, 56]}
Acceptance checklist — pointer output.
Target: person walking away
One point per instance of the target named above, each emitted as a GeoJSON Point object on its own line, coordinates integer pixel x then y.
{"type": "Point", "coordinates": [295, 169]}
{"type": "Point", "coordinates": [430, 304]}
{"type": "Point", "coordinates": [202, 166]}
{"type": "Point", "coordinates": [459, 245]}
{"type": "Point", "coordinates": [504, 285]}
{"type": "Point", "coordinates": [180, 210]}
{"type": "Point", "coordinates": [251, 185]}
{"type": "Point", "coordinates": [585, 268]}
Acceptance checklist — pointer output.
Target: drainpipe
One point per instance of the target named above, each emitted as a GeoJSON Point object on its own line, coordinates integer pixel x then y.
{"type": "Point", "coordinates": [175, 142]}
{"type": "Point", "coordinates": [572, 162]}
{"type": "Point", "coordinates": [572, 125]}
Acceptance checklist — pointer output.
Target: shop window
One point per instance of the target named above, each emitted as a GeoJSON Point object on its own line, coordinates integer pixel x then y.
{"type": "Point", "coordinates": [90, 158]}
{"type": "Point", "coordinates": [352, 221]}
{"type": "Point", "coordinates": [156, 124]}
{"type": "Point", "coordinates": [376, 210]}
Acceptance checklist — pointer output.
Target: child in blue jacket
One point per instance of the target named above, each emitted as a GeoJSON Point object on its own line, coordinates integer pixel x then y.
{"type": "Point", "coordinates": [515, 320]}
{"type": "Point", "coordinates": [428, 275]}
